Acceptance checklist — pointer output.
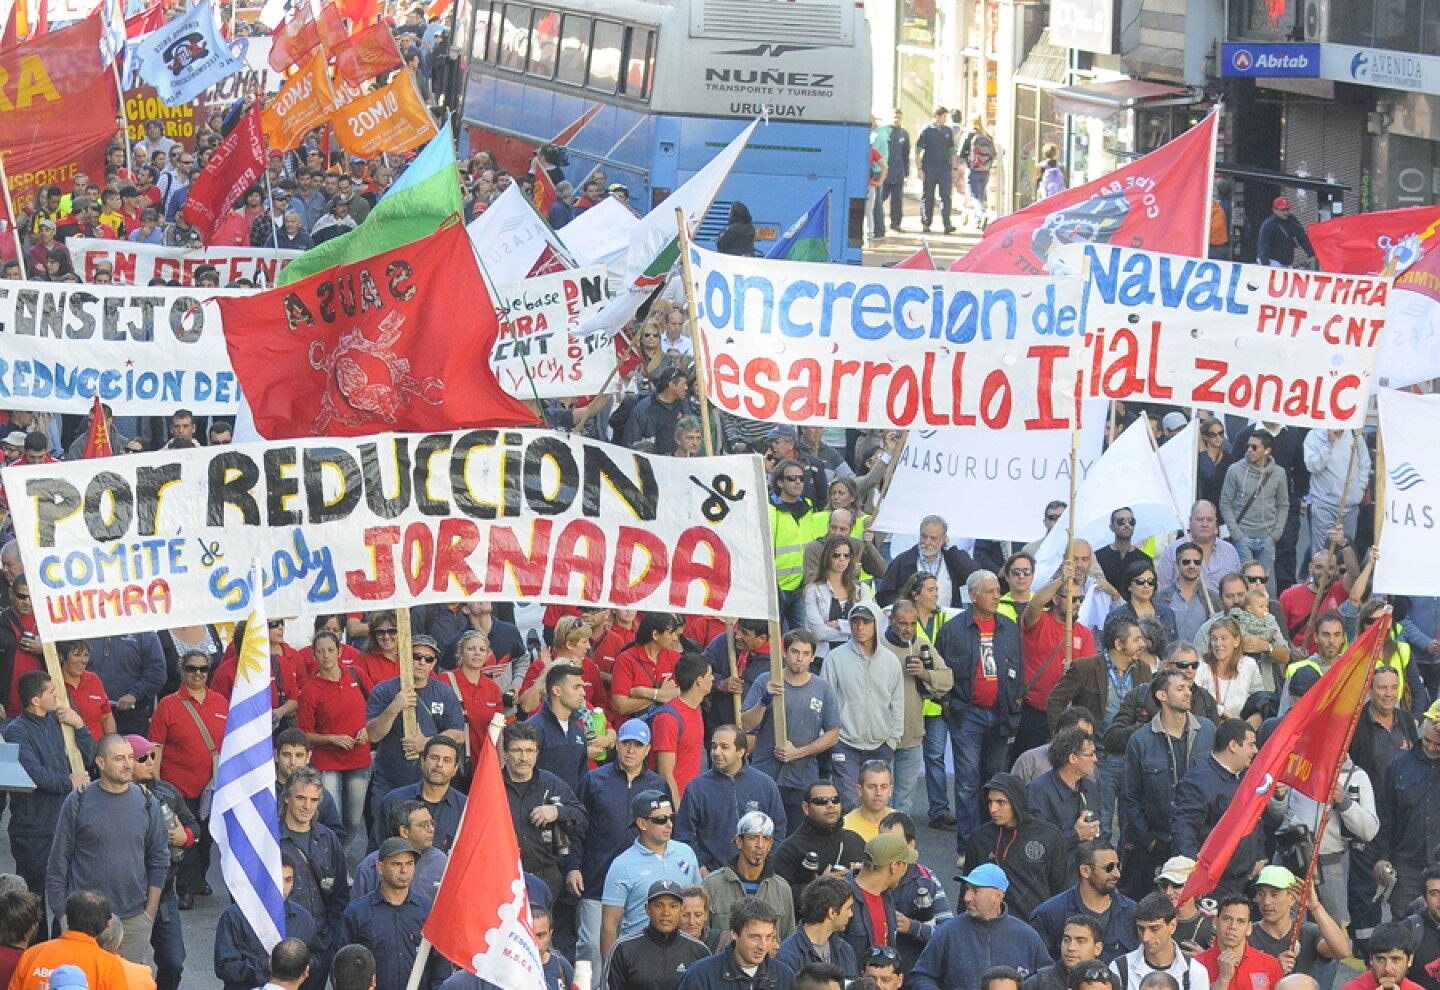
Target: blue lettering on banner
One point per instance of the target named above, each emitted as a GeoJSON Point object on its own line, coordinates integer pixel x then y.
{"type": "Point", "coordinates": [287, 566]}
{"type": "Point", "coordinates": [1138, 279]}
{"type": "Point", "coordinates": [25, 379]}
{"type": "Point", "coordinates": [1260, 61]}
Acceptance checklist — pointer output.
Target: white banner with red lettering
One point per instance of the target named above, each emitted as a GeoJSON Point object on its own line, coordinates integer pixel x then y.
{"type": "Point", "coordinates": [151, 541]}
{"type": "Point", "coordinates": [1275, 344]}
{"type": "Point", "coordinates": [137, 264]}
{"type": "Point", "coordinates": [536, 356]}
{"type": "Point", "coordinates": [837, 345]}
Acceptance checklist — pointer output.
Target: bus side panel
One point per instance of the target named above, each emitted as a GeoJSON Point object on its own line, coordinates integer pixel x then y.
{"type": "Point", "coordinates": [785, 169]}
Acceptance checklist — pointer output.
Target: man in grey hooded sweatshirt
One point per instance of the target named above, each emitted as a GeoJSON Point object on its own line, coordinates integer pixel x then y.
{"type": "Point", "coordinates": [870, 681]}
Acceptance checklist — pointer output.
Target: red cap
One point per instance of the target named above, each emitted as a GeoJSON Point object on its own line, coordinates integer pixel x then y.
{"type": "Point", "coordinates": [1281, 203]}
{"type": "Point", "coordinates": [141, 745]}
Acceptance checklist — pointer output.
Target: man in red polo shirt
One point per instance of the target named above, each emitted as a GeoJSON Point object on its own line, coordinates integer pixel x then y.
{"type": "Point", "coordinates": [1042, 644]}
{"type": "Point", "coordinates": [1391, 953]}
{"type": "Point", "coordinates": [677, 729]}
{"type": "Point", "coordinates": [1231, 962]}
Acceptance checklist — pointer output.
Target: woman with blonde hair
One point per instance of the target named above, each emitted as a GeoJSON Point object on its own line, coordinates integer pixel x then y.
{"type": "Point", "coordinates": [1227, 673]}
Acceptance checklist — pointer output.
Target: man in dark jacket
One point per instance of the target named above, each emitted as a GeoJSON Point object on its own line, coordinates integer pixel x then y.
{"type": "Point", "coordinates": [132, 668]}
{"type": "Point", "coordinates": [659, 957]}
{"type": "Point", "coordinates": [897, 170]}
{"type": "Point", "coordinates": [1030, 850]}
{"type": "Point", "coordinates": [1409, 806]}
{"type": "Point", "coordinates": [931, 552]}
{"type": "Point", "coordinates": [1204, 794]}
{"type": "Point", "coordinates": [545, 848]}
{"type": "Point", "coordinates": [935, 154]}
{"type": "Point", "coordinates": [1280, 235]}
{"type": "Point", "coordinates": [1139, 707]}
{"type": "Point", "coordinates": [985, 935]}
{"type": "Point", "coordinates": [1067, 795]}
{"type": "Point", "coordinates": [820, 845]}
{"type": "Point", "coordinates": [241, 962]}
{"type": "Point", "coordinates": [654, 417]}
{"type": "Point", "coordinates": [1156, 758]}
{"type": "Point", "coordinates": [33, 814]}
{"type": "Point", "coordinates": [1097, 895]}
{"type": "Point", "coordinates": [887, 857]}
{"type": "Point", "coordinates": [752, 926]}
{"type": "Point", "coordinates": [166, 938]}
{"type": "Point", "coordinates": [982, 648]}
{"type": "Point", "coordinates": [824, 912]}
{"type": "Point", "coordinates": [322, 885]}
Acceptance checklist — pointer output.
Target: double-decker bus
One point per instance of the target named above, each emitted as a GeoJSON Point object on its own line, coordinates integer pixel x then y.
{"type": "Point", "coordinates": [647, 92]}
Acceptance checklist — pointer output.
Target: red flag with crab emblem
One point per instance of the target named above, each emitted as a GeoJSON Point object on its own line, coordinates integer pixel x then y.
{"type": "Point", "coordinates": [373, 347]}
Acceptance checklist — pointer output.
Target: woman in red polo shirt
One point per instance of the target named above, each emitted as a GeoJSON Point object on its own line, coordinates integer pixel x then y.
{"type": "Point", "coordinates": [325, 623]}
{"type": "Point", "coordinates": [190, 724]}
{"type": "Point", "coordinates": [645, 671]}
{"type": "Point", "coordinates": [479, 695]}
{"type": "Point", "coordinates": [87, 694]}
{"type": "Point", "coordinates": [572, 646]}
{"type": "Point", "coordinates": [332, 716]}
{"type": "Point", "coordinates": [381, 661]}
{"type": "Point", "coordinates": [285, 680]}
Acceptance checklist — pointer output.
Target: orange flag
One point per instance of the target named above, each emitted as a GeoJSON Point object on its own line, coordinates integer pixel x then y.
{"type": "Point", "coordinates": [371, 51]}
{"type": "Point", "coordinates": [303, 103]}
{"type": "Point", "coordinates": [97, 438]}
{"type": "Point", "coordinates": [391, 118]}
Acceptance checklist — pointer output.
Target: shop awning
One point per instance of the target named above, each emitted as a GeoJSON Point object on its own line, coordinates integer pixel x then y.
{"type": "Point", "coordinates": [1106, 99]}
{"type": "Point", "coordinates": [1046, 65]}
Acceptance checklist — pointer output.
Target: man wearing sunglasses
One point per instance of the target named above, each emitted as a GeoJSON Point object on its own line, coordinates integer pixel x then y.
{"type": "Point", "coordinates": [1139, 707]}
{"type": "Point", "coordinates": [1096, 894]}
{"type": "Point", "coordinates": [820, 845]}
{"type": "Point", "coordinates": [1255, 501]}
{"type": "Point", "coordinates": [653, 856]}
{"type": "Point", "coordinates": [182, 828]}
{"type": "Point", "coordinates": [437, 711]}
{"type": "Point", "coordinates": [1116, 559]}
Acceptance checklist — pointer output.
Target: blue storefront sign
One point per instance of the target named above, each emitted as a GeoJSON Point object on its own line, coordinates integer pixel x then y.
{"type": "Point", "coordinates": [1259, 61]}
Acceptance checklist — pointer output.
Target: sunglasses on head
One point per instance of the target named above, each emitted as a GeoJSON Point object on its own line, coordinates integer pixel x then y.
{"type": "Point", "coordinates": [879, 952]}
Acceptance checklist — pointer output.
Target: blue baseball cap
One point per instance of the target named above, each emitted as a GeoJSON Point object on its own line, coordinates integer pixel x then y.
{"type": "Point", "coordinates": [635, 730]}
{"type": "Point", "coordinates": [987, 875]}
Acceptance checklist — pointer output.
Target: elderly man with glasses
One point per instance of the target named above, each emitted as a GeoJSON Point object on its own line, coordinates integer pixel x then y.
{"type": "Point", "coordinates": [1217, 557]}
{"type": "Point", "coordinates": [437, 711]}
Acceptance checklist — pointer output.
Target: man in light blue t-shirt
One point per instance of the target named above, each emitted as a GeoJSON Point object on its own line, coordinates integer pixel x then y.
{"type": "Point", "coordinates": [653, 857]}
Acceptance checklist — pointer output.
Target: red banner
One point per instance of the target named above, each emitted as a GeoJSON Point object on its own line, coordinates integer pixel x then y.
{"type": "Point", "coordinates": [1304, 753]}
{"type": "Point", "coordinates": [1157, 203]}
{"type": "Point", "coordinates": [1365, 243]}
{"type": "Point", "coordinates": [235, 166]}
{"type": "Point", "coordinates": [920, 261]}
{"type": "Point", "coordinates": [371, 51]}
{"type": "Point", "coordinates": [374, 346]}
{"type": "Point", "coordinates": [57, 108]}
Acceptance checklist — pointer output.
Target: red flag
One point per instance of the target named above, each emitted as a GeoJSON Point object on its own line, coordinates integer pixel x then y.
{"type": "Point", "coordinates": [920, 261]}
{"type": "Point", "coordinates": [235, 166]}
{"type": "Point", "coordinates": [549, 262]}
{"type": "Point", "coordinates": [1304, 753]}
{"type": "Point", "coordinates": [331, 25]}
{"type": "Point", "coordinates": [481, 918]}
{"type": "Point", "coordinates": [97, 437]}
{"type": "Point", "coordinates": [1159, 203]}
{"type": "Point", "coordinates": [370, 52]}
{"type": "Point", "coordinates": [10, 37]}
{"type": "Point", "coordinates": [1365, 243]}
{"type": "Point", "coordinates": [543, 193]}
{"type": "Point", "coordinates": [303, 32]}
{"type": "Point", "coordinates": [373, 346]}
{"type": "Point", "coordinates": [360, 13]}
{"type": "Point", "coordinates": [152, 18]}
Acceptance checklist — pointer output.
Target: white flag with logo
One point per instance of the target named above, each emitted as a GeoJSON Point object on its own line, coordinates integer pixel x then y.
{"type": "Point", "coordinates": [1409, 535]}
{"type": "Point", "coordinates": [510, 238]}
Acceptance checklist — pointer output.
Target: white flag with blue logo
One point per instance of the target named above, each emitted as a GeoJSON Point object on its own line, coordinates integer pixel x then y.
{"type": "Point", "coordinates": [1410, 530]}
{"type": "Point", "coordinates": [244, 818]}
{"type": "Point", "coordinates": [188, 56]}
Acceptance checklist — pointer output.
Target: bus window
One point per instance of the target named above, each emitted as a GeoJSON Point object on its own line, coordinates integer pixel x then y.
{"type": "Point", "coordinates": [605, 53]}
{"type": "Point", "coordinates": [463, 12]}
{"type": "Point", "coordinates": [574, 49]}
{"type": "Point", "coordinates": [639, 58]}
{"type": "Point", "coordinates": [514, 37]}
{"type": "Point", "coordinates": [483, 51]}
{"type": "Point", "coordinates": [544, 48]}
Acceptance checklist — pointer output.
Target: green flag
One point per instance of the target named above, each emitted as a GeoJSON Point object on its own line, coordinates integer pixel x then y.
{"type": "Point", "coordinates": [420, 201]}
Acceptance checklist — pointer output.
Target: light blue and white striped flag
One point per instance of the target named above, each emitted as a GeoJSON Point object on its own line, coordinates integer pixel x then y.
{"type": "Point", "coordinates": [244, 818]}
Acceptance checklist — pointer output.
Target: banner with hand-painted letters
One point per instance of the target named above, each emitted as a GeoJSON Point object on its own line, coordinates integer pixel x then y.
{"type": "Point", "coordinates": [137, 264]}
{"type": "Point", "coordinates": [536, 356]}
{"type": "Point", "coordinates": [152, 541]}
{"type": "Point", "coordinates": [1274, 344]}
{"type": "Point", "coordinates": [836, 345]}
{"type": "Point", "coordinates": [144, 351]}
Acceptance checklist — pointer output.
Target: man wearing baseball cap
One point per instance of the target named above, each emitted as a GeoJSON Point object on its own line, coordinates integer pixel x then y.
{"type": "Point", "coordinates": [437, 710]}
{"type": "Point", "coordinates": [1280, 235]}
{"type": "Point", "coordinates": [652, 856]}
{"type": "Point", "coordinates": [750, 874]}
{"type": "Point", "coordinates": [1277, 892]}
{"type": "Point", "coordinates": [874, 922]}
{"type": "Point", "coordinates": [605, 793]}
{"type": "Point", "coordinates": [986, 935]}
{"type": "Point", "coordinates": [1193, 928]}
{"type": "Point", "coordinates": [388, 920]}
{"type": "Point", "coordinates": [658, 956]}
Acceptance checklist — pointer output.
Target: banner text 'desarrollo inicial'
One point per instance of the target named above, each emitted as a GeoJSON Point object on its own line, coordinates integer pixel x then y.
{"type": "Point", "coordinates": [835, 345]}
{"type": "Point", "coordinates": [157, 540]}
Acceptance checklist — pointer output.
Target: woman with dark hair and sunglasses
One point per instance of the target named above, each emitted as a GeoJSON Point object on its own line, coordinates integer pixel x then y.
{"type": "Point", "coordinates": [1139, 588]}
{"type": "Point", "coordinates": [1213, 460]}
{"type": "Point", "coordinates": [830, 591]}
{"type": "Point", "coordinates": [381, 660]}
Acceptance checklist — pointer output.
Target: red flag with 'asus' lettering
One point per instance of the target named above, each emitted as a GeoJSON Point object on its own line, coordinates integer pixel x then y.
{"type": "Point", "coordinates": [1159, 202]}
{"type": "Point", "coordinates": [1304, 753]}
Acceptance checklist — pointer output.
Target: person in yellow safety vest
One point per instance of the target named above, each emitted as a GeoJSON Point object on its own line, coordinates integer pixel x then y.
{"type": "Point", "coordinates": [1396, 657]}
{"type": "Point", "coordinates": [794, 522]}
{"type": "Point", "coordinates": [1331, 646]}
{"type": "Point", "coordinates": [1019, 575]}
{"type": "Point", "coordinates": [924, 590]}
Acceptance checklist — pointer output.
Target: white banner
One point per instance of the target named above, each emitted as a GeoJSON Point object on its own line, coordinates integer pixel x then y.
{"type": "Point", "coordinates": [146, 352]}
{"type": "Point", "coordinates": [1409, 536]}
{"type": "Point", "coordinates": [836, 345]}
{"type": "Point", "coordinates": [1274, 344]}
{"type": "Point", "coordinates": [535, 340]}
{"type": "Point", "coordinates": [164, 539]}
{"type": "Point", "coordinates": [137, 264]}
{"type": "Point", "coordinates": [996, 485]}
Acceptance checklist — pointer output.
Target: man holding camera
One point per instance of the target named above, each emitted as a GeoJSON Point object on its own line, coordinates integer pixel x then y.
{"type": "Point", "coordinates": [544, 810]}
{"type": "Point", "coordinates": [927, 678]}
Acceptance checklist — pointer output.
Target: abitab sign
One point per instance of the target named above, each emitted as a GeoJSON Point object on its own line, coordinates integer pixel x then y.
{"type": "Point", "coordinates": [1260, 61]}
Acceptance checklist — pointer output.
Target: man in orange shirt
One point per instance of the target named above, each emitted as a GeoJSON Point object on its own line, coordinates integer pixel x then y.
{"type": "Point", "coordinates": [87, 914]}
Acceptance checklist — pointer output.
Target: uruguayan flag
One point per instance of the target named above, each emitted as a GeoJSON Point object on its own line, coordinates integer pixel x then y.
{"type": "Point", "coordinates": [244, 818]}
